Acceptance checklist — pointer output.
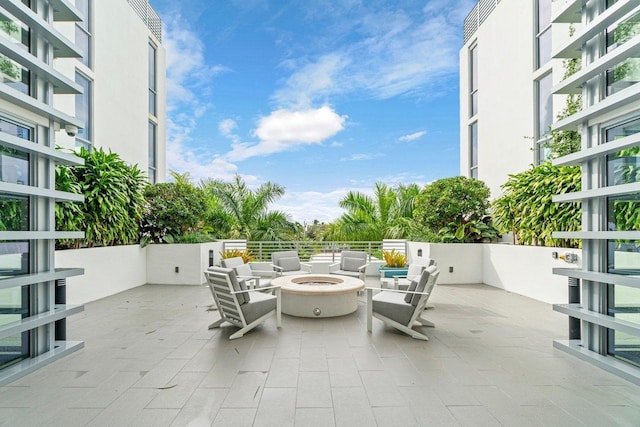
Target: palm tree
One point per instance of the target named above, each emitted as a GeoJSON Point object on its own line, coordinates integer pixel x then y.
{"type": "Point", "coordinates": [385, 215]}
{"type": "Point", "coordinates": [246, 210]}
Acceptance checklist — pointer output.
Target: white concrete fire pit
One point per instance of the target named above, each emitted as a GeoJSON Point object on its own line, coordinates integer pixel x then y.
{"type": "Point", "coordinates": [319, 295]}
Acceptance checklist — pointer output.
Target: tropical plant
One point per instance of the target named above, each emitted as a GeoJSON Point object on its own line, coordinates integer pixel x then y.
{"type": "Point", "coordinates": [245, 211]}
{"type": "Point", "coordinates": [472, 231]}
{"type": "Point", "coordinates": [172, 210]}
{"type": "Point", "coordinates": [386, 215]}
{"type": "Point", "coordinates": [457, 200]}
{"type": "Point", "coordinates": [529, 210]}
{"type": "Point", "coordinates": [113, 200]}
{"type": "Point", "coordinates": [246, 255]}
{"type": "Point", "coordinates": [394, 259]}
{"type": "Point", "coordinates": [14, 214]}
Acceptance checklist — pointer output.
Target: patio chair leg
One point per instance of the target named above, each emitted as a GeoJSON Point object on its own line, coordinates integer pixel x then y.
{"type": "Point", "coordinates": [369, 309]}
{"type": "Point", "coordinates": [278, 307]}
{"type": "Point", "coordinates": [216, 324]}
{"type": "Point", "coordinates": [425, 322]}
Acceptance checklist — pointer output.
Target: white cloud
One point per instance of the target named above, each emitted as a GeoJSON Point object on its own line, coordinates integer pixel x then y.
{"type": "Point", "coordinates": [311, 81]}
{"type": "Point", "coordinates": [227, 126]}
{"type": "Point", "coordinates": [355, 157]}
{"type": "Point", "coordinates": [283, 130]}
{"type": "Point", "coordinates": [398, 53]}
{"type": "Point", "coordinates": [413, 136]}
{"type": "Point", "coordinates": [188, 79]}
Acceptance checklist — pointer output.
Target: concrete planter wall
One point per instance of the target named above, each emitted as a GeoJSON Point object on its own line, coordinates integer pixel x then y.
{"type": "Point", "coordinates": [525, 270]}
{"type": "Point", "coordinates": [190, 260]}
{"type": "Point", "coordinates": [107, 271]}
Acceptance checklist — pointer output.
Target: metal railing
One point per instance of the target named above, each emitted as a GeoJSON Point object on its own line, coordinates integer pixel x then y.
{"type": "Point", "coordinates": [477, 16]}
{"type": "Point", "coordinates": [307, 250]}
{"type": "Point", "coordinates": [148, 16]}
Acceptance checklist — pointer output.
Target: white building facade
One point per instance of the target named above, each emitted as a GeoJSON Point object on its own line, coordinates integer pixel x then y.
{"type": "Point", "coordinates": [606, 314]}
{"type": "Point", "coordinates": [69, 77]}
{"type": "Point", "coordinates": [506, 76]}
{"type": "Point", "coordinates": [512, 87]}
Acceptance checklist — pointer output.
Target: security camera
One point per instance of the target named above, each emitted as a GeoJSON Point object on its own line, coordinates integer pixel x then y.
{"type": "Point", "coordinates": [71, 130]}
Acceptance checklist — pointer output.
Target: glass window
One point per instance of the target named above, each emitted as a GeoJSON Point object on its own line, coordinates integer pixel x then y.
{"type": "Point", "coordinates": [623, 75]}
{"type": "Point", "coordinates": [624, 304]}
{"type": "Point", "coordinates": [15, 213]}
{"type": "Point", "coordinates": [83, 110]}
{"type": "Point", "coordinates": [545, 106]}
{"type": "Point", "coordinates": [83, 41]}
{"type": "Point", "coordinates": [473, 150]}
{"type": "Point", "coordinates": [623, 167]}
{"type": "Point", "coordinates": [14, 258]}
{"type": "Point", "coordinates": [14, 302]}
{"type": "Point", "coordinates": [153, 149]}
{"type": "Point", "coordinates": [474, 80]}
{"type": "Point", "coordinates": [15, 30]}
{"type": "Point", "coordinates": [152, 78]}
{"type": "Point", "coordinates": [14, 164]}
{"type": "Point", "coordinates": [14, 306]}
{"type": "Point", "coordinates": [15, 129]}
{"type": "Point", "coordinates": [543, 33]}
{"type": "Point", "coordinates": [621, 32]}
{"type": "Point", "coordinates": [83, 31]}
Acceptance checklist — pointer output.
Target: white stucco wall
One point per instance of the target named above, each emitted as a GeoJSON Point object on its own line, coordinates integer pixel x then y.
{"type": "Point", "coordinates": [107, 271]}
{"type": "Point", "coordinates": [527, 270]}
{"type": "Point", "coordinates": [191, 260]}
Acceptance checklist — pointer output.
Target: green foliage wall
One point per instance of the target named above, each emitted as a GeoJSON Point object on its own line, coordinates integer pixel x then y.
{"type": "Point", "coordinates": [527, 209]}
{"type": "Point", "coordinates": [113, 204]}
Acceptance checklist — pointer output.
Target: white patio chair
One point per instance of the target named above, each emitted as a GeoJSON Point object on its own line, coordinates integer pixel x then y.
{"type": "Point", "coordinates": [352, 263]}
{"type": "Point", "coordinates": [403, 309]}
{"type": "Point", "coordinates": [237, 304]}
{"type": "Point", "coordinates": [402, 282]}
{"type": "Point", "coordinates": [256, 278]}
{"type": "Point", "coordinates": [287, 263]}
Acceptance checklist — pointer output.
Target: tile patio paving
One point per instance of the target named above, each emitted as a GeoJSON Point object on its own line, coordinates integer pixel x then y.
{"type": "Point", "coordinates": [149, 360]}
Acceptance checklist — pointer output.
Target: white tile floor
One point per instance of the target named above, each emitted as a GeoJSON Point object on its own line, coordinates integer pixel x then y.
{"type": "Point", "coordinates": [150, 360]}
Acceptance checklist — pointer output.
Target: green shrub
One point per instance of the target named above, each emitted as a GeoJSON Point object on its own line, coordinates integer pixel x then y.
{"type": "Point", "coordinates": [172, 210]}
{"type": "Point", "coordinates": [450, 200]}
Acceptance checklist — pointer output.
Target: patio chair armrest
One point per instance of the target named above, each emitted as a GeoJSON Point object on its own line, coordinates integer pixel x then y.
{"type": "Point", "coordinates": [363, 267]}
{"type": "Point", "coordinates": [306, 266]}
{"type": "Point", "coordinates": [264, 273]}
{"type": "Point", "coordinates": [256, 290]}
{"type": "Point", "coordinates": [334, 266]}
{"type": "Point", "coordinates": [369, 289]}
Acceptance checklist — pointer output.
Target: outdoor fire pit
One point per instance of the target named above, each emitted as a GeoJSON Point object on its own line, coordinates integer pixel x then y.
{"type": "Point", "coordinates": [319, 295]}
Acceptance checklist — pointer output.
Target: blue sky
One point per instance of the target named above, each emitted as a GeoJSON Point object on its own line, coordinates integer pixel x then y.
{"type": "Point", "coordinates": [320, 96]}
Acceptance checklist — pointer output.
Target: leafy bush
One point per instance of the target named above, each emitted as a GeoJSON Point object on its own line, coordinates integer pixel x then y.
{"type": "Point", "coordinates": [527, 209]}
{"type": "Point", "coordinates": [455, 200]}
{"type": "Point", "coordinates": [172, 210]}
{"type": "Point", "coordinates": [113, 203]}
{"type": "Point", "coordinates": [14, 214]}
{"type": "Point", "coordinates": [195, 238]}
{"type": "Point", "coordinates": [473, 231]}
